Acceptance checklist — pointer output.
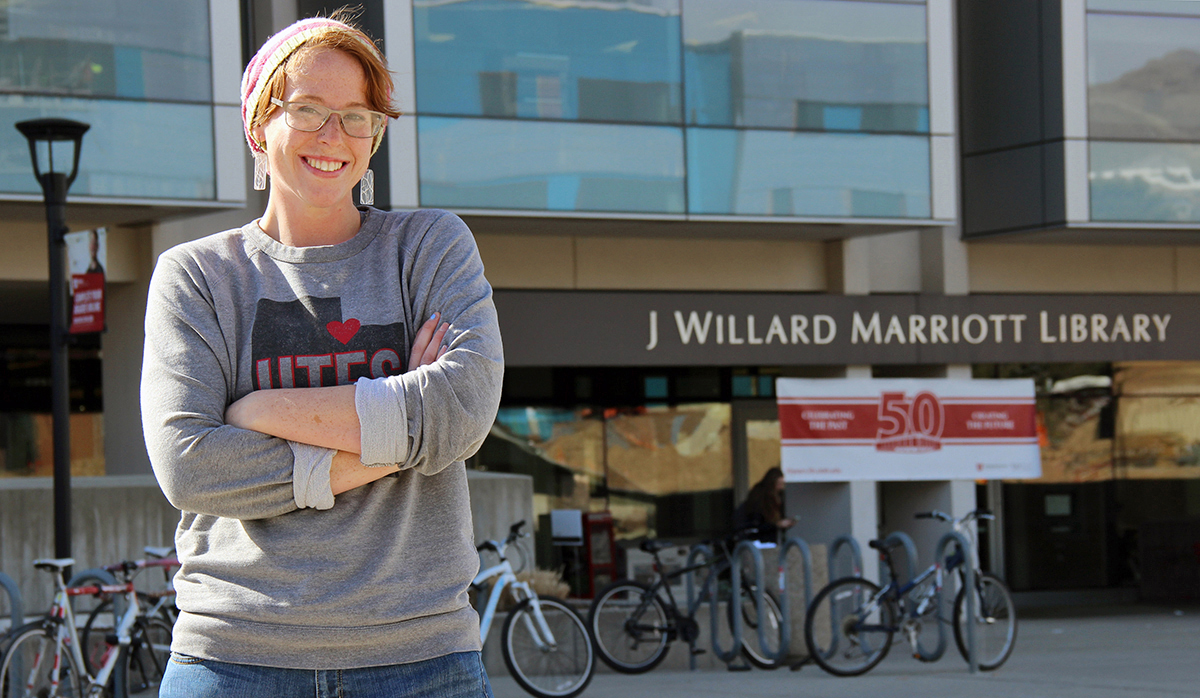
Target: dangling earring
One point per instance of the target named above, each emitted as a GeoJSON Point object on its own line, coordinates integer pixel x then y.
{"type": "Point", "coordinates": [366, 188]}
{"type": "Point", "coordinates": [260, 171]}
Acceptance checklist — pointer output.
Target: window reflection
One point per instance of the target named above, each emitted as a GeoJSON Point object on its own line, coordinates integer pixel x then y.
{"type": "Point", "coordinates": [670, 471]}
{"type": "Point", "coordinates": [1156, 182]}
{"type": "Point", "coordinates": [1073, 447]}
{"type": "Point", "coordinates": [161, 51]}
{"type": "Point", "coordinates": [807, 174]}
{"type": "Point", "coordinates": [133, 148]}
{"type": "Point", "coordinates": [512, 164]}
{"type": "Point", "coordinates": [663, 471]}
{"type": "Point", "coordinates": [1158, 437]}
{"type": "Point", "coordinates": [1176, 7]}
{"type": "Point", "coordinates": [27, 444]}
{"type": "Point", "coordinates": [1157, 427]}
{"type": "Point", "coordinates": [1142, 77]}
{"type": "Point", "coordinates": [807, 64]}
{"type": "Point", "coordinates": [597, 61]}
{"type": "Point", "coordinates": [763, 447]}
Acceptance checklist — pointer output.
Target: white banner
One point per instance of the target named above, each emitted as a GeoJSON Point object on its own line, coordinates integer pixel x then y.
{"type": "Point", "coordinates": [907, 429]}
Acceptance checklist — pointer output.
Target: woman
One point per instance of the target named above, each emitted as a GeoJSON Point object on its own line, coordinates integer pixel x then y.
{"type": "Point", "coordinates": [325, 539]}
{"type": "Point", "coordinates": [763, 508]}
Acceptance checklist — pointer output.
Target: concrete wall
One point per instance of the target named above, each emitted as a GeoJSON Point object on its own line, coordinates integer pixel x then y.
{"type": "Point", "coordinates": [561, 262]}
{"type": "Point", "coordinates": [112, 519]}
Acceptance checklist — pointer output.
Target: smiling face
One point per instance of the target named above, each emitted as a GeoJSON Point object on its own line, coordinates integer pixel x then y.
{"type": "Point", "coordinates": [314, 172]}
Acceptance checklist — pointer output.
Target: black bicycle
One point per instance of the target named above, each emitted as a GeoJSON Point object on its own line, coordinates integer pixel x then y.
{"type": "Point", "coordinates": [633, 624]}
{"type": "Point", "coordinates": [851, 622]}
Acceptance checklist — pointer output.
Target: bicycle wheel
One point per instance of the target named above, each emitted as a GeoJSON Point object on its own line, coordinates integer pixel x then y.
{"type": "Point", "coordinates": [630, 627]}
{"type": "Point", "coordinates": [95, 632]}
{"type": "Point", "coordinates": [995, 622]}
{"type": "Point", "coordinates": [27, 665]}
{"type": "Point", "coordinates": [849, 627]}
{"type": "Point", "coordinates": [558, 664]}
{"type": "Point", "coordinates": [921, 623]}
{"type": "Point", "coordinates": [149, 651]}
{"type": "Point", "coordinates": [752, 650]}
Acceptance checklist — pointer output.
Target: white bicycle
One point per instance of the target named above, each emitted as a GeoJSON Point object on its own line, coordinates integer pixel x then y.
{"type": "Point", "coordinates": [45, 658]}
{"type": "Point", "coordinates": [546, 646]}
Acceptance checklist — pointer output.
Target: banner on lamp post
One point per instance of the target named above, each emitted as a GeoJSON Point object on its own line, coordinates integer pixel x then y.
{"type": "Point", "coordinates": [86, 257]}
{"type": "Point", "coordinates": [907, 429]}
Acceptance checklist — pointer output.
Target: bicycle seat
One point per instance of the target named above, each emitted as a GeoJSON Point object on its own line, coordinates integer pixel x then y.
{"type": "Point", "coordinates": [54, 565]}
{"type": "Point", "coordinates": [884, 545]}
{"type": "Point", "coordinates": [158, 552]}
{"type": "Point", "coordinates": [654, 545]}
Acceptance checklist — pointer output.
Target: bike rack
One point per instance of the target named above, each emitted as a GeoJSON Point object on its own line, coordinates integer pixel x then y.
{"type": "Point", "coordinates": [855, 555]}
{"type": "Point", "coordinates": [735, 598]}
{"type": "Point", "coordinates": [16, 610]}
{"type": "Point", "coordinates": [910, 553]}
{"type": "Point", "coordinates": [690, 580]}
{"type": "Point", "coordinates": [968, 590]}
{"type": "Point", "coordinates": [785, 607]}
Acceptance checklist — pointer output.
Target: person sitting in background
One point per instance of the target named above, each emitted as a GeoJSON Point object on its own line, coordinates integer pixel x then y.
{"type": "Point", "coordinates": [763, 508]}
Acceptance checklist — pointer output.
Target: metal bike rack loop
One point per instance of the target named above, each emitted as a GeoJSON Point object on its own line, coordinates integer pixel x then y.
{"type": "Point", "coordinates": [690, 581]}
{"type": "Point", "coordinates": [785, 606]}
{"type": "Point", "coordinates": [910, 553]}
{"type": "Point", "coordinates": [16, 610]}
{"type": "Point", "coordinates": [855, 555]}
{"type": "Point", "coordinates": [968, 590]}
{"type": "Point", "coordinates": [785, 631]}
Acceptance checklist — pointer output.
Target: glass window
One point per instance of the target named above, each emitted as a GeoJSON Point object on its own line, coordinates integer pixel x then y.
{"type": "Point", "coordinates": [1141, 77]}
{"type": "Point", "coordinates": [596, 61]}
{"type": "Point", "coordinates": [1177, 7]}
{"type": "Point", "coordinates": [1074, 448]}
{"type": "Point", "coordinates": [134, 149]}
{"type": "Point", "coordinates": [556, 166]}
{"type": "Point", "coordinates": [107, 48]}
{"type": "Point", "coordinates": [1151, 182]}
{"type": "Point", "coordinates": [807, 174]}
{"type": "Point", "coordinates": [807, 64]}
{"type": "Point", "coordinates": [1158, 437]}
{"type": "Point", "coordinates": [669, 471]}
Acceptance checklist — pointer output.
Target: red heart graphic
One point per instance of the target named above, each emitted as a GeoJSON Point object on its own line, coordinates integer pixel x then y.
{"type": "Point", "coordinates": [344, 331]}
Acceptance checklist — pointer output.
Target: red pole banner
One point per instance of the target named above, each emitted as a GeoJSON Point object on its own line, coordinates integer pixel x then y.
{"type": "Point", "coordinates": [86, 257]}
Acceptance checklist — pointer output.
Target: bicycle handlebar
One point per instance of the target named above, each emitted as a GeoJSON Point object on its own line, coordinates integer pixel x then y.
{"type": "Point", "coordinates": [943, 516]}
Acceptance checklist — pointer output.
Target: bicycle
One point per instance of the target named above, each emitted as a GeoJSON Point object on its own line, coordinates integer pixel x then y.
{"type": "Point", "coordinates": [633, 624]}
{"type": "Point", "coordinates": [150, 647]}
{"type": "Point", "coordinates": [851, 622]}
{"type": "Point", "coordinates": [545, 643]}
{"type": "Point", "coordinates": [44, 659]}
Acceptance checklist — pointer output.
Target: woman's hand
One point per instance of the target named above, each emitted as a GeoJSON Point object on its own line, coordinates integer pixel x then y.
{"type": "Point", "coordinates": [427, 345]}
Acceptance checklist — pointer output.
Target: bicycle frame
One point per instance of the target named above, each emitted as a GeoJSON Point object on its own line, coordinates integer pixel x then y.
{"type": "Point", "coordinates": [66, 637]}
{"type": "Point", "coordinates": [505, 578]}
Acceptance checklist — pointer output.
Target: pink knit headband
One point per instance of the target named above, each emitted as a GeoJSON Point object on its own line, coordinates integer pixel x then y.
{"type": "Point", "coordinates": [274, 52]}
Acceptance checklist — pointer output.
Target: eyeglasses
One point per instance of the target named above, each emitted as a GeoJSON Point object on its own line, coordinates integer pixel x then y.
{"type": "Point", "coordinates": [357, 123]}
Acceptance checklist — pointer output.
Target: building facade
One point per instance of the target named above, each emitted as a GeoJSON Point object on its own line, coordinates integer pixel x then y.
{"type": "Point", "coordinates": [679, 201]}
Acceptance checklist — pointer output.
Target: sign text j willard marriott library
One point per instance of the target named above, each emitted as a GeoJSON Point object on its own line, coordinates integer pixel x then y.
{"type": "Point", "coordinates": [562, 328]}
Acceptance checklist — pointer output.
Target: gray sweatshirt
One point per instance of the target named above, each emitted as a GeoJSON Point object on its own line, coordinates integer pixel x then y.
{"type": "Point", "coordinates": [382, 577]}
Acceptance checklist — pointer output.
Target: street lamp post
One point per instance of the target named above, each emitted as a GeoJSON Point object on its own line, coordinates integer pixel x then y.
{"type": "Point", "coordinates": [54, 190]}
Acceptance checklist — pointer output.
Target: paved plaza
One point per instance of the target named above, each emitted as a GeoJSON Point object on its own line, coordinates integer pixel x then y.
{"type": "Point", "coordinates": [1114, 652]}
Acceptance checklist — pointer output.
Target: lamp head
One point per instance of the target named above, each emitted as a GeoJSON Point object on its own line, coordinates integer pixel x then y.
{"type": "Point", "coordinates": [48, 131]}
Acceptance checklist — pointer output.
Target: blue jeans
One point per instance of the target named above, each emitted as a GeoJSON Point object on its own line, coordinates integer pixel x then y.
{"type": "Point", "coordinates": [453, 676]}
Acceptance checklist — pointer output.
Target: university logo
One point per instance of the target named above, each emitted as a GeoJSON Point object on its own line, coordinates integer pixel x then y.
{"type": "Point", "coordinates": [307, 343]}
